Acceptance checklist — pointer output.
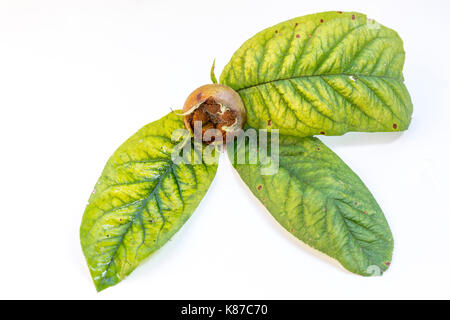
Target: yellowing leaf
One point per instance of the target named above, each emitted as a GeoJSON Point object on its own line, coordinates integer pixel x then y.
{"type": "Point", "coordinates": [315, 196]}
{"type": "Point", "coordinates": [327, 73]}
{"type": "Point", "coordinates": [141, 199]}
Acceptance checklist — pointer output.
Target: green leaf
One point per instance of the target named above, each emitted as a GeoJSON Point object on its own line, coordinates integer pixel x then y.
{"type": "Point", "coordinates": [320, 200]}
{"type": "Point", "coordinates": [327, 73]}
{"type": "Point", "coordinates": [140, 201]}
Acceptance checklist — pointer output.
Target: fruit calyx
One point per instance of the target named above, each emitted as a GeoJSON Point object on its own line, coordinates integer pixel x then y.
{"type": "Point", "coordinates": [212, 112]}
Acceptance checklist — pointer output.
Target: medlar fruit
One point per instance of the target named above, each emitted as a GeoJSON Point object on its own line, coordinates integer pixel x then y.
{"type": "Point", "coordinates": [215, 106]}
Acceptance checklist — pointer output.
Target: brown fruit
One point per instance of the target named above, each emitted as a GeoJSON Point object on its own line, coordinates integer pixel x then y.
{"type": "Point", "coordinates": [200, 115]}
{"type": "Point", "coordinates": [217, 107]}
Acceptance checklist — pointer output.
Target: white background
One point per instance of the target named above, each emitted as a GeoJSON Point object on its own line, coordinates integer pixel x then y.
{"type": "Point", "coordinates": [77, 78]}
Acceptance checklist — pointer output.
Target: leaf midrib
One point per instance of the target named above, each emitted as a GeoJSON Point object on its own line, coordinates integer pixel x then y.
{"type": "Point", "coordinates": [294, 174]}
{"type": "Point", "coordinates": [138, 213]}
{"type": "Point", "coordinates": [318, 76]}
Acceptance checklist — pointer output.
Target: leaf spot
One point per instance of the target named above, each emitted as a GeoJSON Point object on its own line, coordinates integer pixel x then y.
{"type": "Point", "coordinates": [269, 122]}
{"type": "Point", "coordinates": [297, 36]}
{"type": "Point", "coordinates": [387, 263]}
{"type": "Point", "coordinates": [365, 212]}
{"type": "Point", "coordinates": [394, 126]}
{"type": "Point", "coordinates": [353, 17]}
{"type": "Point", "coordinates": [321, 20]}
{"type": "Point", "coordinates": [322, 132]}
{"type": "Point", "coordinates": [318, 149]}
{"type": "Point", "coordinates": [259, 187]}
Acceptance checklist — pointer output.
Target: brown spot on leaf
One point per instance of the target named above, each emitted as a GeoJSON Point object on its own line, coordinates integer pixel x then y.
{"type": "Point", "coordinates": [353, 17]}
{"type": "Point", "coordinates": [387, 263]}
{"type": "Point", "coordinates": [297, 36]}
{"type": "Point", "coordinates": [394, 126]}
{"type": "Point", "coordinates": [321, 20]}
{"type": "Point", "coordinates": [322, 132]}
{"type": "Point", "coordinates": [259, 187]}
{"type": "Point", "coordinates": [269, 122]}
{"type": "Point", "coordinates": [365, 212]}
